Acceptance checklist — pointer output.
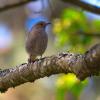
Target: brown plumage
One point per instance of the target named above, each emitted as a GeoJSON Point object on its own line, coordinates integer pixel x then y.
{"type": "Point", "coordinates": [36, 40]}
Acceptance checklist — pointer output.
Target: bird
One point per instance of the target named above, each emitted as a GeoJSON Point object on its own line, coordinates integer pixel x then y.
{"type": "Point", "coordinates": [36, 40]}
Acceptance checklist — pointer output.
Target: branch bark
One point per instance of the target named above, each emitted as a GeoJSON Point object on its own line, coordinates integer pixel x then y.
{"type": "Point", "coordinates": [82, 65]}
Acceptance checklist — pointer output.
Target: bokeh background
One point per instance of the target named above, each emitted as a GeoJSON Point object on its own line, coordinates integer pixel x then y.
{"type": "Point", "coordinates": [72, 29]}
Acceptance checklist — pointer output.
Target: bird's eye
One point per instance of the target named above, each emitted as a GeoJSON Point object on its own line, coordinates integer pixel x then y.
{"type": "Point", "coordinates": [41, 24]}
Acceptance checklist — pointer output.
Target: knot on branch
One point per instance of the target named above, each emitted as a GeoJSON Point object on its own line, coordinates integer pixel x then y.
{"type": "Point", "coordinates": [90, 63]}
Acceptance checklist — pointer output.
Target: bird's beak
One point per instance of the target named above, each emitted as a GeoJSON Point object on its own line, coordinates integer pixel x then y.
{"type": "Point", "coordinates": [48, 23]}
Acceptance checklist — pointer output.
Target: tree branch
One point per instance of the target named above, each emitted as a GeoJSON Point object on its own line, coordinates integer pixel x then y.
{"type": "Point", "coordinates": [81, 4]}
{"type": "Point", "coordinates": [82, 66]}
{"type": "Point", "coordinates": [11, 6]}
{"type": "Point", "coordinates": [84, 5]}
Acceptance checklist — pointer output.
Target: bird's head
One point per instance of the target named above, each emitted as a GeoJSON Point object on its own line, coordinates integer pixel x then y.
{"type": "Point", "coordinates": [42, 24]}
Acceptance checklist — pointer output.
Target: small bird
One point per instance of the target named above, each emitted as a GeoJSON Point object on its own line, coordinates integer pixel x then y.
{"type": "Point", "coordinates": [36, 40]}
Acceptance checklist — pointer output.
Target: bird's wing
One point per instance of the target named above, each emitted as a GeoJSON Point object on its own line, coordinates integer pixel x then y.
{"type": "Point", "coordinates": [31, 42]}
{"type": "Point", "coordinates": [43, 44]}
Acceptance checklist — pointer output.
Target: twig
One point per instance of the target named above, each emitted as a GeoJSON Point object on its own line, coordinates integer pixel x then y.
{"type": "Point", "coordinates": [97, 35]}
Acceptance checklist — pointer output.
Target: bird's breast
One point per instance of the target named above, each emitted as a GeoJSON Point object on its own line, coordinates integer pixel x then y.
{"type": "Point", "coordinates": [36, 42]}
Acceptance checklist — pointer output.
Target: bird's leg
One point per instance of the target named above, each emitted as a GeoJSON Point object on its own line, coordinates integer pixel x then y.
{"type": "Point", "coordinates": [32, 59]}
{"type": "Point", "coordinates": [41, 57]}
{"type": "Point", "coordinates": [29, 60]}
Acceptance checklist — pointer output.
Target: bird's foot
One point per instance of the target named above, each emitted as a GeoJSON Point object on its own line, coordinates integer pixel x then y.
{"type": "Point", "coordinates": [30, 61]}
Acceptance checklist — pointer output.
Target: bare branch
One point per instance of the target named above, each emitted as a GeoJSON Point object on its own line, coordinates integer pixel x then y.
{"type": "Point", "coordinates": [11, 6]}
{"type": "Point", "coordinates": [81, 4]}
{"type": "Point", "coordinates": [84, 5]}
{"type": "Point", "coordinates": [82, 66]}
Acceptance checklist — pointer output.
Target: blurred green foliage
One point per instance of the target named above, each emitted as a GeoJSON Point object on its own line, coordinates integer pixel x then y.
{"type": "Point", "coordinates": [69, 83]}
{"type": "Point", "coordinates": [73, 27]}
{"type": "Point", "coordinates": [96, 23]}
{"type": "Point", "coordinates": [71, 31]}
